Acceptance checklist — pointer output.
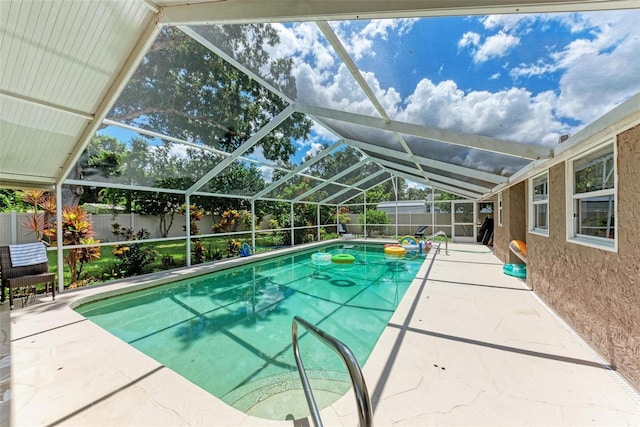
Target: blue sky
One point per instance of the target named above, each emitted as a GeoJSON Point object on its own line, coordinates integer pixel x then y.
{"type": "Point", "coordinates": [526, 78]}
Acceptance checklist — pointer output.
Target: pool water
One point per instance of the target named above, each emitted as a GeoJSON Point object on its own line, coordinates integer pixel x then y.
{"type": "Point", "coordinates": [229, 332]}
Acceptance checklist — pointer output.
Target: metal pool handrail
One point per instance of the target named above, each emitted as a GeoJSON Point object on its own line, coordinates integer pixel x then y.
{"type": "Point", "coordinates": [446, 240]}
{"type": "Point", "coordinates": [357, 380]}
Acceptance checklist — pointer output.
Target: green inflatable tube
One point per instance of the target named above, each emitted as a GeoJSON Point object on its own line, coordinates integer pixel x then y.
{"type": "Point", "coordinates": [343, 259]}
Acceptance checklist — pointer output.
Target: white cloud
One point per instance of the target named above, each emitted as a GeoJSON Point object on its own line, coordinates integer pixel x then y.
{"type": "Point", "coordinates": [469, 39]}
{"type": "Point", "coordinates": [303, 42]}
{"type": "Point", "coordinates": [513, 114]}
{"type": "Point", "coordinates": [267, 173]}
{"type": "Point", "coordinates": [598, 70]}
{"type": "Point", "coordinates": [495, 46]}
{"type": "Point", "coordinates": [316, 147]}
{"type": "Point", "coordinates": [360, 43]}
{"type": "Point", "coordinates": [508, 22]}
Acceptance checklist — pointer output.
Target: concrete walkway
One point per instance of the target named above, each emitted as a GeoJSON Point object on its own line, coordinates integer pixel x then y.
{"type": "Point", "coordinates": [467, 346]}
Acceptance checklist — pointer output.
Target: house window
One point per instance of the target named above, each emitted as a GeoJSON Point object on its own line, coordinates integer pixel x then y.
{"type": "Point", "coordinates": [539, 204]}
{"type": "Point", "coordinates": [593, 199]}
{"type": "Point", "coordinates": [500, 209]}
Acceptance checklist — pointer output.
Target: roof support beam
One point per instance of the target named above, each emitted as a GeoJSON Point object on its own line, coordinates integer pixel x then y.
{"type": "Point", "coordinates": [354, 186]}
{"type": "Point", "coordinates": [310, 162]}
{"type": "Point", "coordinates": [48, 105]}
{"type": "Point", "coordinates": [344, 202]}
{"type": "Point", "coordinates": [87, 183]}
{"type": "Point", "coordinates": [436, 164]}
{"type": "Point", "coordinates": [147, 38]}
{"type": "Point", "coordinates": [332, 180]}
{"type": "Point", "coordinates": [357, 75]}
{"type": "Point", "coordinates": [255, 138]}
{"type": "Point", "coordinates": [295, 10]}
{"type": "Point", "coordinates": [444, 187]}
{"type": "Point", "coordinates": [188, 144]}
{"type": "Point", "coordinates": [429, 177]}
{"type": "Point", "coordinates": [509, 148]}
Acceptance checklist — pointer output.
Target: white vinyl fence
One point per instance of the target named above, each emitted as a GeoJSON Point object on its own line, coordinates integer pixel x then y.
{"type": "Point", "coordinates": [14, 231]}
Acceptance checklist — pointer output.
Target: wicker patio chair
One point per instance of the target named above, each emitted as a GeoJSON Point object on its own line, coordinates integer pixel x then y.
{"type": "Point", "coordinates": [25, 277]}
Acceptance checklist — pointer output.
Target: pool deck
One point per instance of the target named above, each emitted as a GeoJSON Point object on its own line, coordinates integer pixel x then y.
{"type": "Point", "coordinates": [467, 345]}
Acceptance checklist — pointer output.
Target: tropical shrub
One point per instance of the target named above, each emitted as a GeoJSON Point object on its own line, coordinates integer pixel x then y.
{"type": "Point", "coordinates": [38, 222]}
{"type": "Point", "coordinates": [199, 252]}
{"type": "Point", "coordinates": [231, 219]}
{"type": "Point", "coordinates": [195, 214]}
{"type": "Point", "coordinates": [77, 229]}
{"type": "Point", "coordinates": [134, 258]}
{"type": "Point", "coordinates": [233, 248]}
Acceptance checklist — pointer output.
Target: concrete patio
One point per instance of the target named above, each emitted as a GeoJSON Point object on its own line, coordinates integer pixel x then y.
{"type": "Point", "coordinates": [467, 345]}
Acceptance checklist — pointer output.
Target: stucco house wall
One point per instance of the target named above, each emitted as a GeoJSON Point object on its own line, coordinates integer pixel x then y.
{"type": "Point", "coordinates": [596, 291]}
{"type": "Point", "coordinates": [514, 207]}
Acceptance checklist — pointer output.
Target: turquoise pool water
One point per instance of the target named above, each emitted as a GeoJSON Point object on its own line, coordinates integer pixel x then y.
{"type": "Point", "coordinates": [229, 332]}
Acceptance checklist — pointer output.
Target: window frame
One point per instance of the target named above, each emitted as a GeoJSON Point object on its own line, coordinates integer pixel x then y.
{"type": "Point", "coordinates": [573, 200]}
{"type": "Point", "coordinates": [533, 226]}
{"type": "Point", "coordinates": [500, 209]}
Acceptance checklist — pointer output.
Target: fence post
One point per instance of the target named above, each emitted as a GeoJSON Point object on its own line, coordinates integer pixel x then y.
{"type": "Point", "coordinates": [14, 227]}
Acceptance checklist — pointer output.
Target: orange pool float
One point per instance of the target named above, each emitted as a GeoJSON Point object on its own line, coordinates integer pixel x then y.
{"type": "Point", "coordinates": [519, 248]}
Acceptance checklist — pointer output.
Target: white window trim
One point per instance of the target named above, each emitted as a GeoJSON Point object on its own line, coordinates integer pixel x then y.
{"type": "Point", "coordinates": [500, 209]}
{"type": "Point", "coordinates": [591, 241]}
{"type": "Point", "coordinates": [532, 217]}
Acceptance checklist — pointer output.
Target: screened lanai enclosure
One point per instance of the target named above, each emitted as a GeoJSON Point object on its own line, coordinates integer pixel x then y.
{"type": "Point", "coordinates": [266, 124]}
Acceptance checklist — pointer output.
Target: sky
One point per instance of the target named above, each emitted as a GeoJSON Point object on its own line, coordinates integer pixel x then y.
{"type": "Point", "coordinates": [523, 78]}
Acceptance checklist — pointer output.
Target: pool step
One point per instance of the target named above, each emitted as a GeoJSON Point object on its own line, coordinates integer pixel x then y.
{"type": "Point", "coordinates": [280, 397]}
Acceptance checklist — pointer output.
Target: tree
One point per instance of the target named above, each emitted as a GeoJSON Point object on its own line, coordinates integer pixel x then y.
{"type": "Point", "coordinates": [184, 90]}
{"type": "Point", "coordinates": [413, 193]}
{"type": "Point", "coordinates": [443, 199]}
{"type": "Point", "coordinates": [375, 221]}
{"type": "Point", "coordinates": [100, 161]}
{"type": "Point", "coordinates": [10, 200]}
{"type": "Point", "coordinates": [161, 204]}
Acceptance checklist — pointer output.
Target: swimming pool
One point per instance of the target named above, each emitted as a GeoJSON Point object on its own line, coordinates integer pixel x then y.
{"type": "Point", "coordinates": [229, 332]}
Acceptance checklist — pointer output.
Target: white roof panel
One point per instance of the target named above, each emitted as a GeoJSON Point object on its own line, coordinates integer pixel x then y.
{"type": "Point", "coordinates": [58, 61]}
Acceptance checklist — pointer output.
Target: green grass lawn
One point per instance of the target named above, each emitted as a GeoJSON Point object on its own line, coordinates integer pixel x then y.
{"type": "Point", "coordinates": [170, 255]}
{"type": "Point", "coordinates": [107, 260]}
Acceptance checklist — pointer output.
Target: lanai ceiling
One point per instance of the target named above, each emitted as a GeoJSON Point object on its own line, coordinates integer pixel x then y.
{"type": "Point", "coordinates": [64, 64]}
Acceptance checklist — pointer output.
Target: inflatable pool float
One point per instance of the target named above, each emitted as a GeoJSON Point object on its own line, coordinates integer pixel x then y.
{"type": "Point", "coordinates": [246, 250]}
{"type": "Point", "coordinates": [343, 259]}
{"type": "Point", "coordinates": [515, 270]}
{"type": "Point", "coordinates": [408, 241]}
{"type": "Point", "coordinates": [395, 250]}
{"type": "Point", "coordinates": [321, 258]}
{"type": "Point", "coordinates": [519, 248]}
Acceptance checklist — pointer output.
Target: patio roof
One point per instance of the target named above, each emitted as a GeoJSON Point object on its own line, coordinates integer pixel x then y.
{"type": "Point", "coordinates": [64, 65]}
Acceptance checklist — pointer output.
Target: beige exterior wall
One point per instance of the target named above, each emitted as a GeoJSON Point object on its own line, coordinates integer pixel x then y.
{"type": "Point", "coordinates": [514, 207]}
{"type": "Point", "coordinates": [596, 291]}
